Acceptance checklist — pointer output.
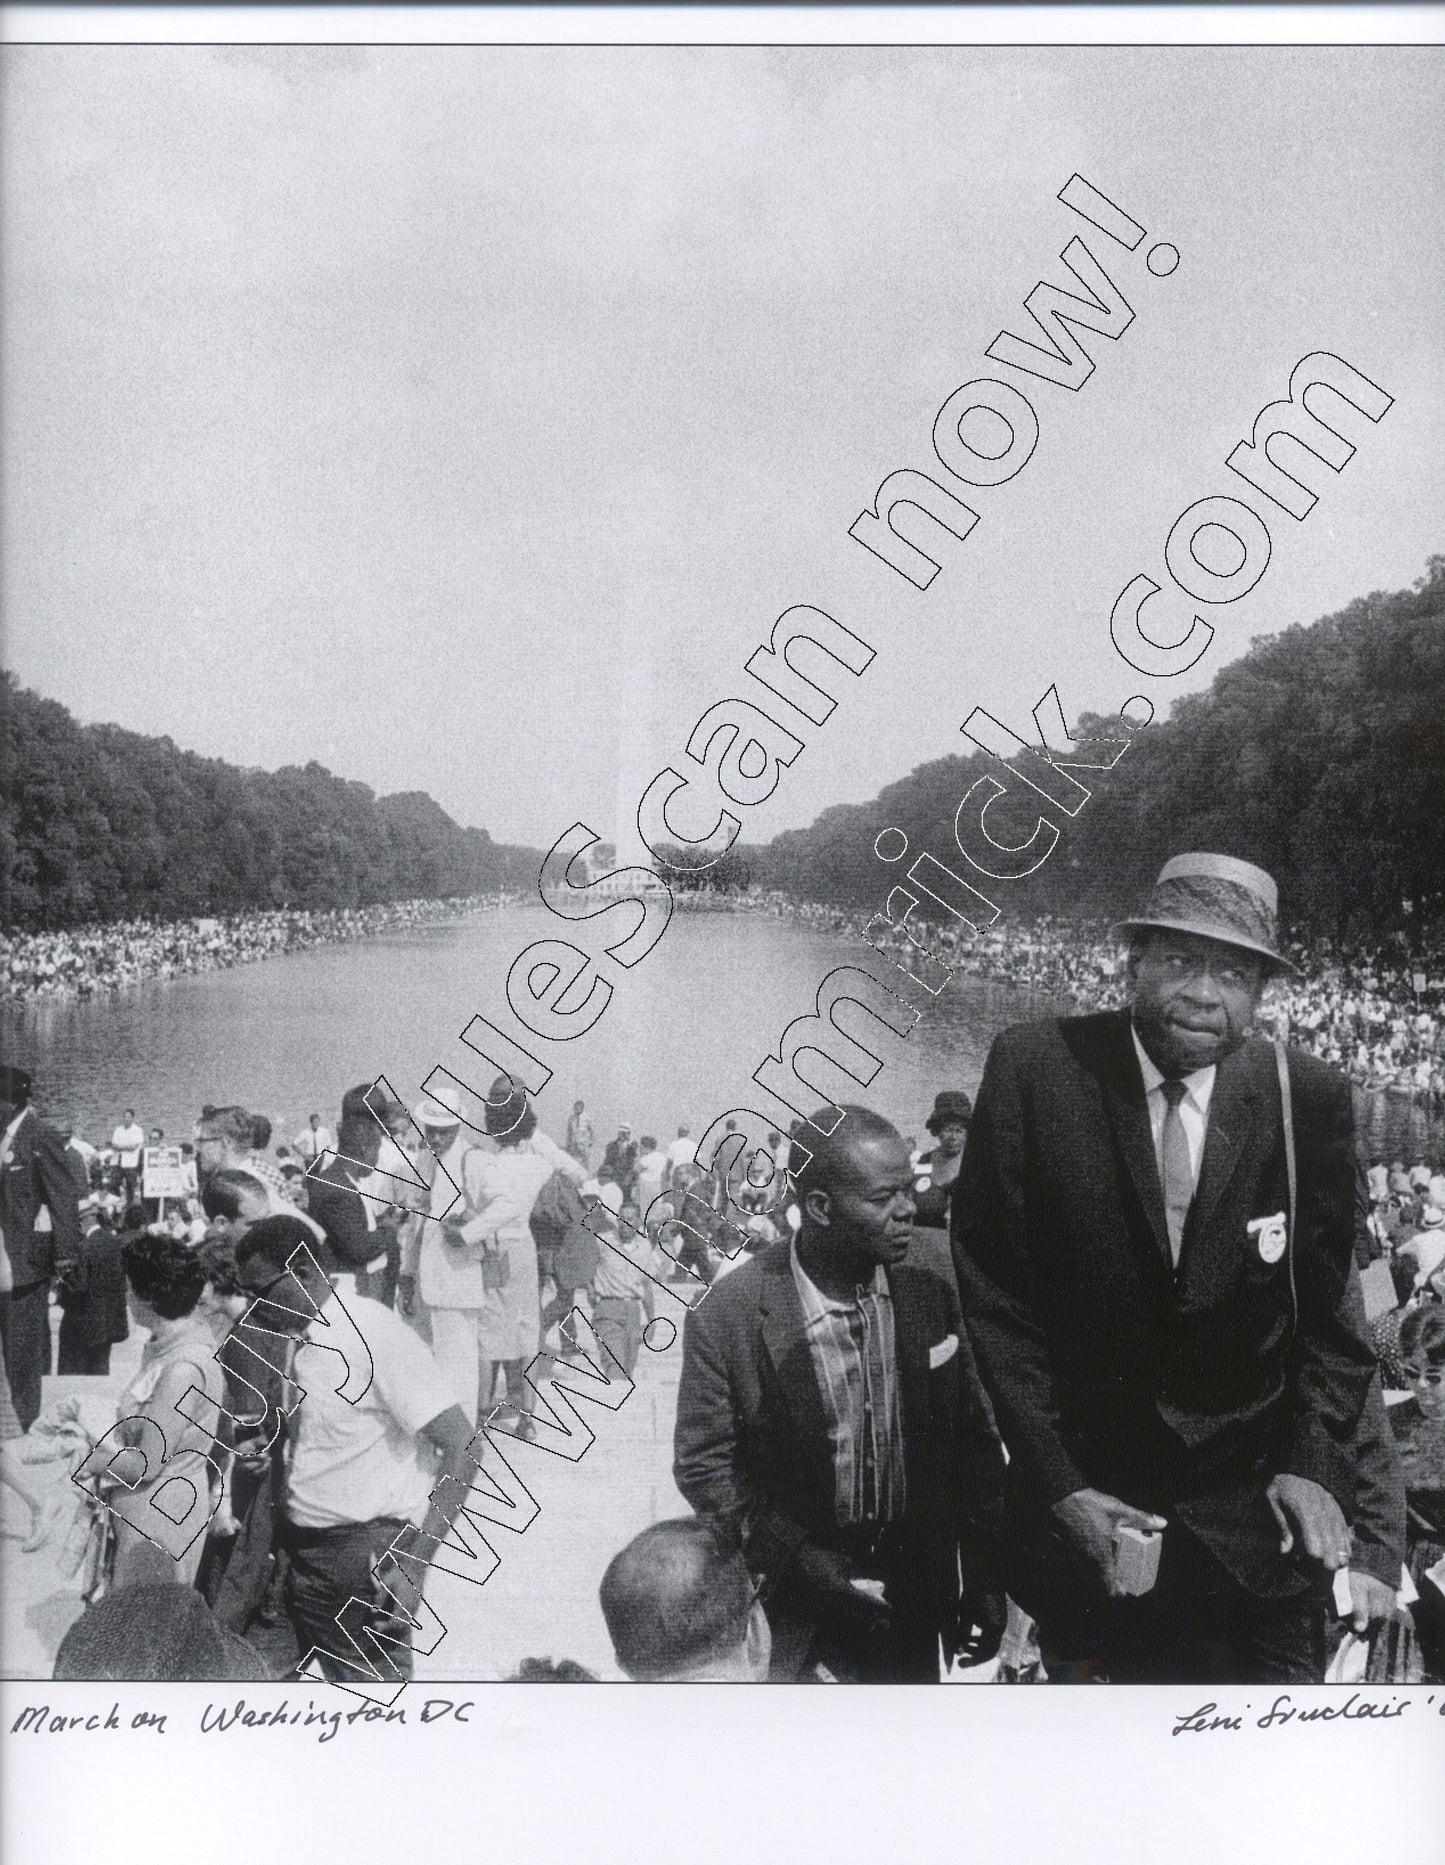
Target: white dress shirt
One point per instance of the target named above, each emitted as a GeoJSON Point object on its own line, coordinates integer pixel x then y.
{"type": "Point", "coordinates": [1193, 1106]}
{"type": "Point", "coordinates": [7, 1140]}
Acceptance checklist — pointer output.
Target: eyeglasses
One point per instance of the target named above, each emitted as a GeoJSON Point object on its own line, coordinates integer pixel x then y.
{"type": "Point", "coordinates": [1424, 1375]}
{"type": "Point", "coordinates": [249, 1288]}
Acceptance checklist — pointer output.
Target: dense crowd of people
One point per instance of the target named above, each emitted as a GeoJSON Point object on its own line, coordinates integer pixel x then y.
{"type": "Point", "coordinates": [478, 1297]}
{"type": "Point", "coordinates": [851, 1522]}
{"type": "Point", "coordinates": [452, 1312]}
{"type": "Point", "coordinates": [85, 960]}
{"type": "Point", "coordinates": [1360, 1010]}
{"type": "Point", "coordinates": [1357, 1009]}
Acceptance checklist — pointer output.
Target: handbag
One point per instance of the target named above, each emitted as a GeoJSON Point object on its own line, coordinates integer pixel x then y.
{"type": "Point", "coordinates": [496, 1269]}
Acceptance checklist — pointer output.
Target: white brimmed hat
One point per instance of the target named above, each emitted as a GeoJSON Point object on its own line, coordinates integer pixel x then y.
{"type": "Point", "coordinates": [441, 1108]}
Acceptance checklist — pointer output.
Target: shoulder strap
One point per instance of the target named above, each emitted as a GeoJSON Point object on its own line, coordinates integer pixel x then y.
{"type": "Point", "coordinates": [1286, 1104]}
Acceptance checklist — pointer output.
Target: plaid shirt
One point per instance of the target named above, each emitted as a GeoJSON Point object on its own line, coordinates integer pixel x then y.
{"type": "Point", "coordinates": [854, 1356]}
{"type": "Point", "coordinates": [624, 1276]}
{"type": "Point", "coordinates": [262, 1166]}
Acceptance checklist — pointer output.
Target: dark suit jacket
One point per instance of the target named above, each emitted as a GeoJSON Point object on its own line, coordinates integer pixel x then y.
{"type": "Point", "coordinates": [92, 1291]}
{"type": "Point", "coordinates": [38, 1174]}
{"type": "Point", "coordinates": [1183, 1395]}
{"type": "Point", "coordinates": [1379, 1493]}
{"type": "Point", "coordinates": [341, 1211]}
{"type": "Point", "coordinates": [557, 1224]}
{"type": "Point", "coordinates": [619, 1163]}
{"type": "Point", "coordinates": [752, 1445]}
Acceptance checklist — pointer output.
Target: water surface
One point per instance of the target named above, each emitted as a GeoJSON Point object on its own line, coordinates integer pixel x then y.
{"type": "Point", "coordinates": [679, 1041]}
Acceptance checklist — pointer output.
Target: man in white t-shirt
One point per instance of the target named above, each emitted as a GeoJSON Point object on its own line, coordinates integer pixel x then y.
{"type": "Point", "coordinates": [682, 1152]}
{"type": "Point", "coordinates": [128, 1139]}
{"type": "Point", "coordinates": [366, 1457]}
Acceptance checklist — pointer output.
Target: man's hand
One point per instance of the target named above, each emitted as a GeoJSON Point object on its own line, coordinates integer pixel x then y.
{"type": "Point", "coordinates": [982, 1622]}
{"type": "Point", "coordinates": [1089, 1517]}
{"type": "Point", "coordinates": [406, 1293]}
{"type": "Point", "coordinates": [1308, 1513]}
{"type": "Point", "coordinates": [253, 1454]}
{"type": "Point", "coordinates": [1370, 1601]}
{"type": "Point", "coordinates": [843, 1595]}
{"type": "Point", "coordinates": [397, 1596]}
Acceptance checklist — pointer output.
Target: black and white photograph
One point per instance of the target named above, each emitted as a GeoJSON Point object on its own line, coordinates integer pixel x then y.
{"type": "Point", "coordinates": [722, 846]}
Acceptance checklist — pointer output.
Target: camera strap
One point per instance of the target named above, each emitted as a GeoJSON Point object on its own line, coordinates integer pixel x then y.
{"type": "Point", "coordinates": [1286, 1104]}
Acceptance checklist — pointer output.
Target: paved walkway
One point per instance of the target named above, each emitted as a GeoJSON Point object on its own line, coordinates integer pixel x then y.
{"type": "Point", "coordinates": [540, 1601]}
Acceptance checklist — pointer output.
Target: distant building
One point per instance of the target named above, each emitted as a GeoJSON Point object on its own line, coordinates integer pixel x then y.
{"type": "Point", "coordinates": [599, 868]}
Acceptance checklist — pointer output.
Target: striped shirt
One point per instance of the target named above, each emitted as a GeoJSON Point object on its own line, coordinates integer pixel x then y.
{"type": "Point", "coordinates": [856, 1361]}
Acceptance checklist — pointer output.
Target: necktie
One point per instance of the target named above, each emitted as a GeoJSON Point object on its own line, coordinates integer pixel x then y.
{"type": "Point", "coordinates": [1176, 1172]}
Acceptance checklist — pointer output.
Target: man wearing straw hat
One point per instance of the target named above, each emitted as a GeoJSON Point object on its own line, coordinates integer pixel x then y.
{"type": "Point", "coordinates": [1153, 1225]}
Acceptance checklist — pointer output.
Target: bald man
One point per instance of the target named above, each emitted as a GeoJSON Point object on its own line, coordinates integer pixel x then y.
{"type": "Point", "coordinates": [830, 1421]}
{"type": "Point", "coordinates": [681, 1608]}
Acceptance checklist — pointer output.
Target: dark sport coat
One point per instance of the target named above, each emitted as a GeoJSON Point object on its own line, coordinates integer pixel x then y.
{"type": "Point", "coordinates": [1179, 1394]}
{"type": "Point", "coordinates": [38, 1175]}
{"type": "Point", "coordinates": [752, 1443]}
{"type": "Point", "coordinates": [358, 1233]}
{"type": "Point", "coordinates": [93, 1292]}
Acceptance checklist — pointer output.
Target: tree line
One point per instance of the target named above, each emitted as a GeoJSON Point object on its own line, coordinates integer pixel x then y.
{"type": "Point", "coordinates": [1319, 754]}
{"type": "Point", "coordinates": [98, 824]}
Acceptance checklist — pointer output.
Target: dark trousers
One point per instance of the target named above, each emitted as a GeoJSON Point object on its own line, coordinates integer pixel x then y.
{"type": "Point", "coordinates": [327, 1595]}
{"type": "Point", "coordinates": [617, 1322]}
{"type": "Point", "coordinates": [560, 1306]}
{"type": "Point", "coordinates": [25, 1335]}
{"type": "Point", "coordinates": [379, 1285]}
{"type": "Point", "coordinates": [1197, 1625]}
{"type": "Point", "coordinates": [807, 1642]}
{"type": "Point", "coordinates": [79, 1353]}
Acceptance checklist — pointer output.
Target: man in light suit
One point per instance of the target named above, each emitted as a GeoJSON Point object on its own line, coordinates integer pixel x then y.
{"type": "Point", "coordinates": [829, 1417]}
{"type": "Point", "coordinates": [40, 1220]}
{"type": "Point", "coordinates": [441, 1287]}
{"type": "Point", "coordinates": [1162, 1353]}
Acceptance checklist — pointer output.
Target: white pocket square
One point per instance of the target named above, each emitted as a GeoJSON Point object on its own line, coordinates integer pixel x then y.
{"type": "Point", "coordinates": [941, 1354]}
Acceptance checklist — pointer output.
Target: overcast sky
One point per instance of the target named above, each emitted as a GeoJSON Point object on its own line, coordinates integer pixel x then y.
{"type": "Point", "coordinates": [462, 418]}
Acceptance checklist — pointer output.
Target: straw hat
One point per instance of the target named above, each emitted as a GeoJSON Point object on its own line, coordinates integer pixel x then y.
{"type": "Point", "coordinates": [1215, 897]}
{"type": "Point", "coordinates": [441, 1108]}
